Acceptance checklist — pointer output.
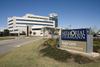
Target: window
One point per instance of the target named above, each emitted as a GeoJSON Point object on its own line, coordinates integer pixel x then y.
{"type": "Point", "coordinates": [10, 20]}
{"type": "Point", "coordinates": [34, 33]}
{"type": "Point", "coordinates": [10, 23]}
{"type": "Point", "coordinates": [16, 30]}
{"type": "Point", "coordinates": [34, 21]}
{"type": "Point", "coordinates": [10, 30]}
{"type": "Point", "coordinates": [11, 27]}
{"type": "Point", "coordinates": [35, 24]}
{"type": "Point", "coordinates": [36, 29]}
{"type": "Point", "coordinates": [37, 17]}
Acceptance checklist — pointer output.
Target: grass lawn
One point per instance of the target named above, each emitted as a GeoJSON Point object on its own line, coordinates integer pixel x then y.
{"type": "Point", "coordinates": [6, 38]}
{"type": "Point", "coordinates": [31, 56]}
{"type": "Point", "coordinates": [96, 45]}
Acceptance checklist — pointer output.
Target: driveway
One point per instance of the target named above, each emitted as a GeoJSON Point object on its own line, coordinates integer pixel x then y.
{"type": "Point", "coordinates": [8, 45]}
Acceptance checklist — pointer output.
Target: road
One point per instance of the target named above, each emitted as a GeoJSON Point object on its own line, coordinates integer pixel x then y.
{"type": "Point", "coordinates": [8, 45]}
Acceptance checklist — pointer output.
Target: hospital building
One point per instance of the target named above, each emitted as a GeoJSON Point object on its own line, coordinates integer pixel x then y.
{"type": "Point", "coordinates": [31, 24]}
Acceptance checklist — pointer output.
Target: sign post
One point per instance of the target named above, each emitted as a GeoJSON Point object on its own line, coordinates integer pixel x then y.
{"type": "Point", "coordinates": [89, 46]}
{"type": "Point", "coordinates": [77, 39]}
{"type": "Point", "coordinates": [60, 41]}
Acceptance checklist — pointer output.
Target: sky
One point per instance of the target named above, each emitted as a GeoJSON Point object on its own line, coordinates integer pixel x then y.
{"type": "Point", "coordinates": [71, 13]}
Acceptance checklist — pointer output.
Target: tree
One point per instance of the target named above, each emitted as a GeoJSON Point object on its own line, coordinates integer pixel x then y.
{"type": "Point", "coordinates": [30, 32]}
{"type": "Point", "coordinates": [93, 31]}
{"type": "Point", "coordinates": [98, 32]}
{"type": "Point", "coordinates": [34, 33]}
{"type": "Point", "coordinates": [1, 33]}
{"type": "Point", "coordinates": [6, 32]}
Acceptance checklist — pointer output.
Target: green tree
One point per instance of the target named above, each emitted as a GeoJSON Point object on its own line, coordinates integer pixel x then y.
{"type": "Point", "coordinates": [93, 31]}
{"type": "Point", "coordinates": [6, 32]}
{"type": "Point", "coordinates": [98, 32]}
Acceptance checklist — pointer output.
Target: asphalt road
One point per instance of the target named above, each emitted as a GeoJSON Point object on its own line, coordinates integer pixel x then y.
{"type": "Point", "coordinates": [8, 45]}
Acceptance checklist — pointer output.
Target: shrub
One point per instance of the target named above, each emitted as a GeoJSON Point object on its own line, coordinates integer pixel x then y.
{"type": "Point", "coordinates": [96, 41]}
{"type": "Point", "coordinates": [51, 42]}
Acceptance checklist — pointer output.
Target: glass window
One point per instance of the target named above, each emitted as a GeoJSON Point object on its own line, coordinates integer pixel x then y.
{"type": "Point", "coordinates": [34, 21]}
{"type": "Point", "coordinates": [36, 29]}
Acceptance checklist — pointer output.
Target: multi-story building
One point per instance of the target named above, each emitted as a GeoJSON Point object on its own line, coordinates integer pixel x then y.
{"type": "Point", "coordinates": [31, 24]}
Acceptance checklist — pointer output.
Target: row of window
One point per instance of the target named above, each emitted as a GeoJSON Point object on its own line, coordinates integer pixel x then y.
{"type": "Point", "coordinates": [11, 27]}
{"type": "Point", "coordinates": [10, 23]}
{"type": "Point", "coordinates": [34, 21]}
{"type": "Point", "coordinates": [13, 30]}
{"type": "Point", "coordinates": [37, 17]}
{"type": "Point", "coordinates": [10, 30]}
{"type": "Point", "coordinates": [36, 29]}
{"type": "Point", "coordinates": [35, 24]}
{"type": "Point", "coordinates": [32, 29]}
{"type": "Point", "coordinates": [10, 20]}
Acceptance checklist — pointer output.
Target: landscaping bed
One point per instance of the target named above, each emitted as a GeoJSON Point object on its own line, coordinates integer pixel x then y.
{"type": "Point", "coordinates": [52, 51]}
{"type": "Point", "coordinates": [6, 38]}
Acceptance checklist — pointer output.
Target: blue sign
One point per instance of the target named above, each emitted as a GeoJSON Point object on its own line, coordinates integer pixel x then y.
{"type": "Point", "coordinates": [75, 34]}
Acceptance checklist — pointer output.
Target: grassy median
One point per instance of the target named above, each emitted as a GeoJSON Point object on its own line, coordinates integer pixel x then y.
{"type": "Point", "coordinates": [6, 38]}
{"type": "Point", "coordinates": [96, 45]}
{"type": "Point", "coordinates": [32, 55]}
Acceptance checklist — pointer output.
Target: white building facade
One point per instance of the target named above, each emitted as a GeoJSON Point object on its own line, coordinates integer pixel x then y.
{"type": "Point", "coordinates": [31, 24]}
